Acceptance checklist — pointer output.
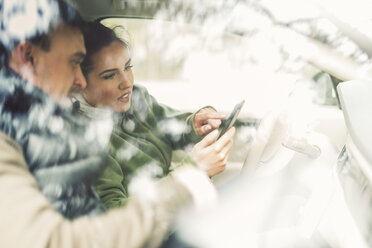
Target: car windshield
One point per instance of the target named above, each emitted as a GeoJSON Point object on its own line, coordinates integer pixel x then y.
{"type": "Point", "coordinates": [209, 67]}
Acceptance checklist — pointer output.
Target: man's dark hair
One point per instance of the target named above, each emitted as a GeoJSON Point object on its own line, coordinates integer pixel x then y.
{"type": "Point", "coordinates": [106, 35]}
{"type": "Point", "coordinates": [68, 16]}
{"type": "Point", "coordinates": [65, 14]}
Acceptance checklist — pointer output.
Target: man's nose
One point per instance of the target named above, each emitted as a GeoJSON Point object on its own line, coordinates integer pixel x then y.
{"type": "Point", "coordinates": [80, 81]}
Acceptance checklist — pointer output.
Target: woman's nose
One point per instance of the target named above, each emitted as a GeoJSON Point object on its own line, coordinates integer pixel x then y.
{"type": "Point", "coordinates": [124, 82]}
{"type": "Point", "coordinates": [122, 86]}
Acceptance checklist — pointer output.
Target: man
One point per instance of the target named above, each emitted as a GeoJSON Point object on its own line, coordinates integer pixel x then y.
{"type": "Point", "coordinates": [49, 159]}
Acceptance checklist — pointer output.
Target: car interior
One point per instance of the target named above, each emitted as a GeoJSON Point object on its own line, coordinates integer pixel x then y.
{"type": "Point", "coordinates": [302, 139]}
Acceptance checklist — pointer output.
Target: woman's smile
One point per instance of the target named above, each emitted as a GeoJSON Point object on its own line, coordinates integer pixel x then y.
{"type": "Point", "coordinates": [125, 97]}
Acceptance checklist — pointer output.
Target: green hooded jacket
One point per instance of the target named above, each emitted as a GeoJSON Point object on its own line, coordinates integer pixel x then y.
{"type": "Point", "coordinates": [143, 138]}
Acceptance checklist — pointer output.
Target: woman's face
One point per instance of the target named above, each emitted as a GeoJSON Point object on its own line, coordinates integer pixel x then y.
{"type": "Point", "coordinates": [110, 83]}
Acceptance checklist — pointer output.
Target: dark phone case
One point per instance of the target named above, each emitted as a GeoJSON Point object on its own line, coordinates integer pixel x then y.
{"type": "Point", "coordinates": [229, 122]}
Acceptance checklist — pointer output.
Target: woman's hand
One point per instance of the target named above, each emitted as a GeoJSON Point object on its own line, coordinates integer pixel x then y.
{"type": "Point", "coordinates": [211, 155]}
{"type": "Point", "coordinates": [206, 120]}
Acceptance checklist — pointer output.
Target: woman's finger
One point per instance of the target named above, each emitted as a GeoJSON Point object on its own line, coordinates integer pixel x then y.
{"type": "Point", "coordinates": [227, 157]}
{"type": "Point", "coordinates": [224, 154]}
{"type": "Point", "coordinates": [203, 117]}
{"type": "Point", "coordinates": [214, 123]}
{"type": "Point", "coordinates": [221, 142]}
{"type": "Point", "coordinates": [208, 140]}
{"type": "Point", "coordinates": [207, 128]}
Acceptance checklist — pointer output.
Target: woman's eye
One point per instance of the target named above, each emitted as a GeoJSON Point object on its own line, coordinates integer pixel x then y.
{"type": "Point", "coordinates": [109, 76]}
{"type": "Point", "coordinates": [128, 67]}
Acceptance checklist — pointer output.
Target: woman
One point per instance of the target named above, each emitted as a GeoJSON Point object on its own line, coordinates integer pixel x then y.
{"type": "Point", "coordinates": [145, 132]}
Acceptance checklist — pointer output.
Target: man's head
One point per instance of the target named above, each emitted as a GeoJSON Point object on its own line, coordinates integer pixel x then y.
{"type": "Point", "coordinates": [53, 69]}
{"type": "Point", "coordinates": [49, 58]}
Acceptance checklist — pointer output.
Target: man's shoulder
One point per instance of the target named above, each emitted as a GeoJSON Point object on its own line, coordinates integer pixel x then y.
{"type": "Point", "coordinates": [6, 141]}
{"type": "Point", "coordinates": [10, 151]}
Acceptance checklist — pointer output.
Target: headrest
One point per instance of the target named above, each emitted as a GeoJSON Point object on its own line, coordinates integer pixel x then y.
{"type": "Point", "coordinates": [356, 102]}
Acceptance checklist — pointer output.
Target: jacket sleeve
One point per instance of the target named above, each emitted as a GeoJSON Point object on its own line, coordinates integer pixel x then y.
{"type": "Point", "coordinates": [177, 127]}
{"type": "Point", "coordinates": [110, 185]}
{"type": "Point", "coordinates": [29, 220]}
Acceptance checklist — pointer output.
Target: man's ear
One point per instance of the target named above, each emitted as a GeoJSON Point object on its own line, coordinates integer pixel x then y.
{"type": "Point", "coordinates": [25, 53]}
{"type": "Point", "coordinates": [23, 60]}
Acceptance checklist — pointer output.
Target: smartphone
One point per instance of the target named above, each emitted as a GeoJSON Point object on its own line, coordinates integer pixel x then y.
{"type": "Point", "coordinates": [229, 122]}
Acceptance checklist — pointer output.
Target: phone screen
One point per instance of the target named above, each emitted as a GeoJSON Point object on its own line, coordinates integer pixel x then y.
{"type": "Point", "coordinates": [229, 122]}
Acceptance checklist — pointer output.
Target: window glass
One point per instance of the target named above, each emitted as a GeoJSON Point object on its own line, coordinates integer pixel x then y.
{"type": "Point", "coordinates": [188, 66]}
